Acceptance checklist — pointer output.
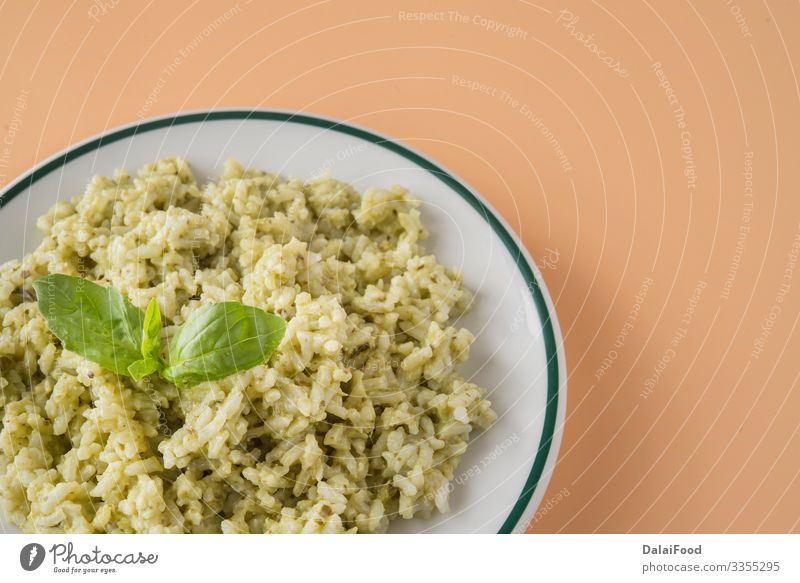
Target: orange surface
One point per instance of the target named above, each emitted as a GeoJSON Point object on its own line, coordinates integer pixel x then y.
{"type": "Point", "coordinates": [652, 169]}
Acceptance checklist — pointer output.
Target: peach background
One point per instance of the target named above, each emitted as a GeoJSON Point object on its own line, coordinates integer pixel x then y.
{"type": "Point", "coordinates": [713, 444]}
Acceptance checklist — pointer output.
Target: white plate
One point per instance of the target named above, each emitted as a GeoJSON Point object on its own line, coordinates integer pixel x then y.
{"type": "Point", "coordinates": [518, 353]}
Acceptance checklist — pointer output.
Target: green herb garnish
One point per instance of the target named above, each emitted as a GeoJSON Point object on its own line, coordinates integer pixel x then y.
{"type": "Point", "coordinates": [91, 320]}
{"type": "Point", "coordinates": [101, 325]}
{"type": "Point", "coordinates": [151, 360]}
{"type": "Point", "coordinates": [220, 339]}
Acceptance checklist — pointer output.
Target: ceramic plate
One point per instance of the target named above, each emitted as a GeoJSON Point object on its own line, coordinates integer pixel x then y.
{"type": "Point", "coordinates": [518, 351]}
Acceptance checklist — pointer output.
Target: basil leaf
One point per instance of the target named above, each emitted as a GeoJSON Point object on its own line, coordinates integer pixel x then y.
{"type": "Point", "coordinates": [93, 321]}
{"type": "Point", "coordinates": [143, 367]}
{"type": "Point", "coordinates": [151, 328]}
{"type": "Point", "coordinates": [99, 324]}
{"type": "Point", "coordinates": [221, 339]}
{"type": "Point", "coordinates": [151, 344]}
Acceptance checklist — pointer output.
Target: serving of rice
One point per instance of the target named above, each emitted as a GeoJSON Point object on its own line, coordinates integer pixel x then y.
{"type": "Point", "coordinates": [358, 418]}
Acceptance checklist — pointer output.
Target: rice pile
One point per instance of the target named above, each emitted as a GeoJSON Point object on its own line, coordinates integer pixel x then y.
{"type": "Point", "coordinates": [358, 418]}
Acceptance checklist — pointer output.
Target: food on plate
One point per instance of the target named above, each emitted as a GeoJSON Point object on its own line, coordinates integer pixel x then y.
{"type": "Point", "coordinates": [254, 354]}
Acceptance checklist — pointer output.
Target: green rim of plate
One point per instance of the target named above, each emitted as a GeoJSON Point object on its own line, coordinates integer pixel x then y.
{"type": "Point", "coordinates": [545, 443]}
